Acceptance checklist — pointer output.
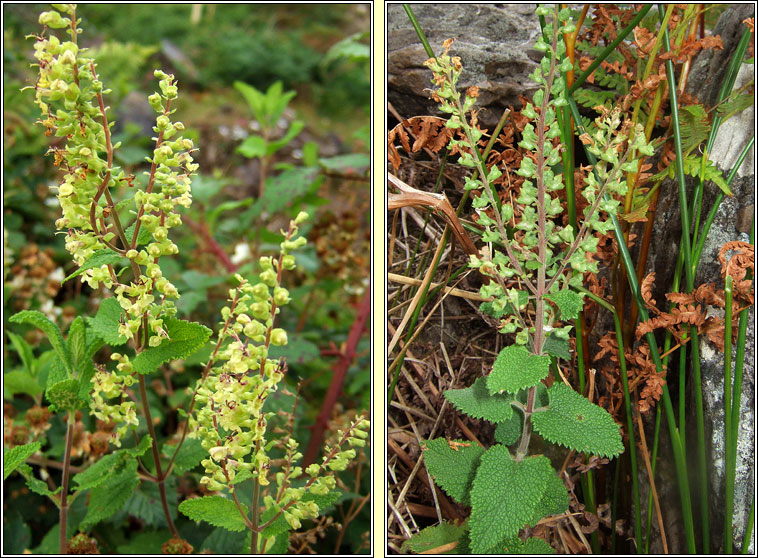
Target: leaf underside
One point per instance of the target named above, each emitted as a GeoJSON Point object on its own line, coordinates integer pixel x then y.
{"type": "Point", "coordinates": [216, 510]}
{"type": "Point", "coordinates": [432, 538]}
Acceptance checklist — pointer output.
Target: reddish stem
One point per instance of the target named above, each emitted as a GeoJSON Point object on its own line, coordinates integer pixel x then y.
{"type": "Point", "coordinates": [338, 379]}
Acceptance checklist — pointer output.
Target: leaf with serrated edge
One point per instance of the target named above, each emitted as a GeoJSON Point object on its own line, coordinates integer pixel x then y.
{"type": "Point", "coordinates": [189, 456]}
{"type": "Point", "coordinates": [555, 499]}
{"type": "Point", "coordinates": [477, 402]}
{"type": "Point", "coordinates": [103, 468]}
{"type": "Point", "coordinates": [184, 338]}
{"type": "Point", "coordinates": [515, 369]}
{"type": "Point", "coordinates": [573, 421]}
{"type": "Point", "coordinates": [106, 321]}
{"type": "Point", "coordinates": [504, 497]}
{"type": "Point", "coordinates": [431, 538]}
{"type": "Point", "coordinates": [12, 458]}
{"type": "Point", "coordinates": [24, 351]}
{"type": "Point", "coordinates": [453, 469]}
{"type": "Point", "coordinates": [557, 347]}
{"type": "Point", "coordinates": [107, 498]}
{"type": "Point", "coordinates": [216, 510]}
{"type": "Point", "coordinates": [39, 320]}
{"type": "Point", "coordinates": [568, 302]}
{"type": "Point", "coordinates": [97, 259]}
{"type": "Point", "coordinates": [508, 432]}
{"type": "Point", "coordinates": [76, 342]}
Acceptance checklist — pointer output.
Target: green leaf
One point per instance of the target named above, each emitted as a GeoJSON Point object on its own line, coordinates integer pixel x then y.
{"type": "Point", "coordinates": [325, 501]}
{"type": "Point", "coordinates": [298, 350]}
{"type": "Point", "coordinates": [555, 499]}
{"type": "Point", "coordinates": [76, 342]}
{"type": "Point", "coordinates": [108, 497]}
{"type": "Point", "coordinates": [453, 469]}
{"type": "Point", "coordinates": [39, 320]}
{"type": "Point", "coordinates": [557, 347]}
{"type": "Point", "coordinates": [145, 504]}
{"type": "Point", "coordinates": [252, 147]}
{"type": "Point", "coordinates": [184, 338]}
{"type": "Point", "coordinates": [504, 497]}
{"type": "Point", "coordinates": [97, 259]}
{"type": "Point", "coordinates": [280, 545]}
{"type": "Point", "coordinates": [190, 455]}
{"type": "Point", "coordinates": [295, 128]}
{"type": "Point", "coordinates": [216, 510]}
{"type": "Point", "coordinates": [143, 237]}
{"type": "Point", "coordinates": [515, 369]}
{"type": "Point", "coordinates": [64, 396]}
{"type": "Point", "coordinates": [38, 486]}
{"type": "Point", "coordinates": [24, 351]}
{"type": "Point", "coordinates": [572, 421]}
{"type": "Point", "coordinates": [109, 465]}
{"type": "Point", "coordinates": [569, 303]}
{"type": "Point", "coordinates": [355, 162]}
{"type": "Point", "coordinates": [508, 432]}
{"type": "Point", "coordinates": [431, 538]}
{"type": "Point", "coordinates": [147, 542]}
{"type": "Point", "coordinates": [477, 402]}
{"type": "Point", "coordinates": [278, 526]}
{"type": "Point", "coordinates": [284, 190]}
{"type": "Point", "coordinates": [106, 321]}
{"type": "Point", "coordinates": [221, 541]}
{"type": "Point", "coordinates": [12, 458]}
{"type": "Point", "coordinates": [20, 381]}
{"type": "Point", "coordinates": [532, 546]}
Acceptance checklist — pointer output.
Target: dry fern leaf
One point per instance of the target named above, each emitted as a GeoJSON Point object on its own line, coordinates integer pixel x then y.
{"type": "Point", "coordinates": [427, 132]}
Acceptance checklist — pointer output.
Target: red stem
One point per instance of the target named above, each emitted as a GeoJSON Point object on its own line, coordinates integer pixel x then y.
{"type": "Point", "coordinates": [338, 379]}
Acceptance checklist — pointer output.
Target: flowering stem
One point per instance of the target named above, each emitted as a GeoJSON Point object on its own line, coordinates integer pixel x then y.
{"type": "Point", "coordinates": [156, 456]}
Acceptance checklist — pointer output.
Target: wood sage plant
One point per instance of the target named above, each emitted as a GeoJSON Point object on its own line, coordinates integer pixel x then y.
{"type": "Point", "coordinates": [228, 415]}
{"type": "Point", "coordinates": [533, 266]}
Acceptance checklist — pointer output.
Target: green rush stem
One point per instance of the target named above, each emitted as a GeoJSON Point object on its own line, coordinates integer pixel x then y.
{"type": "Point", "coordinates": [749, 528]}
{"type": "Point", "coordinates": [679, 457]}
{"type": "Point", "coordinates": [653, 457]}
{"type": "Point", "coordinates": [419, 31]}
{"type": "Point", "coordinates": [689, 281]}
{"type": "Point", "coordinates": [156, 455]}
{"type": "Point", "coordinates": [628, 410]}
{"type": "Point", "coordinates": [616, 478]}
{"type": "Point", "coordinates": [610, 48]}
{"type": "Point", "coordinates": [728, 432]}
{"type": "Point", "coordinates": [682, 385]}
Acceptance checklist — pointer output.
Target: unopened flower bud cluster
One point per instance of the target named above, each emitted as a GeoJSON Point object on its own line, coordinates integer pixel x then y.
{"type": "Point", "coordinates": [69, 94]}
{"type": "Point", "coordinates": [230, 420]}
{"type": "Point", "coordinates": [66, 93]}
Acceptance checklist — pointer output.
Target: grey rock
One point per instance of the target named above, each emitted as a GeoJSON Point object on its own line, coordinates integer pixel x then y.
{"type": "Point", "coordinates": [495, 43]}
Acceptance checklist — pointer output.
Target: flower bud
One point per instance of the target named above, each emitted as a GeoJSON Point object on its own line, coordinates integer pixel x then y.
{"type": "Point", "coordinates": [278, 337]}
